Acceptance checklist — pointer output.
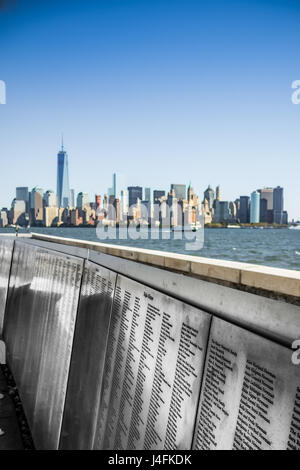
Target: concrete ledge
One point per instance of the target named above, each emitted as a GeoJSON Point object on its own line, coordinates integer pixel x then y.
{"type": "Point", "coordinates": [245, 276]}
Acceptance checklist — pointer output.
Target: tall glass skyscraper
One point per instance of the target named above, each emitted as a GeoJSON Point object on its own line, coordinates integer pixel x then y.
{"type": "Point", "coordinates": [255, 207]}
{"type": "Point", "coordinates": [63, 188]}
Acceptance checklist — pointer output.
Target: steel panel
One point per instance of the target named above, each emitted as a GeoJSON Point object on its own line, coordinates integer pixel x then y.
{"type": "Point", "coordinates": [153, 370]}
{"type": "Point", "coordinates": [86, 369]}
{"type": "Point", "coordinates": [277, 320]}
{"type": "Point", "coordinates": [250, 397]}
{"type": "Point", "coordinates": [39, 327]}
{"type": "Point", "coordinates": [6, 250]}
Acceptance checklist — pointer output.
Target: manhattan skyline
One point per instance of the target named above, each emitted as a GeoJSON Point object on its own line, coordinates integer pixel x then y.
{"type": "Point", "coordinates": [154, 93]}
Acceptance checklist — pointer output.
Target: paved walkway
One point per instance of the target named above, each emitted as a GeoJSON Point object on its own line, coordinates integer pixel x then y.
{"type": "Point", "coordinates": [11, 439]}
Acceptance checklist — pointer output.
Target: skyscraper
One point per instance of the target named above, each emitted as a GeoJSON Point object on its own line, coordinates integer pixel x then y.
{"type": "Point", "coordinates": [22, 194]}
{"type": "Point", "coordinates": [278, 205]}
{"type": "Point", "coordinates": [63, 188]}
{"type": "Point", "coordinates": [244, 215]}
{"type": "Point", "coordinates": [209, 195]}
{"type": "Point", "coordinates": [255, 207]}
{"type": "Point", "coordinates": [180, 190]}
{"type": "Point", "coordinates": [147, 194]}
{"type": "Point", "coordinates": [114, 186]}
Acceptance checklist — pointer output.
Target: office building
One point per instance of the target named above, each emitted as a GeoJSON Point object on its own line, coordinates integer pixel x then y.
{"type": "Point", "coordinates": [72, 198]}
{"type": "Point", "coordinates": [135, 193]}
{"type": "Point", "coordinates": [209, 196]}
{"type": "Point", "coordinates": [50, 216]}
{"type": "Point", "coordinates": [22, 194]}
{"type": "Point", "coordinates": [147, 194]}
{"type": "Point", "coordinates": [218, 193]}
{"type": "Point", "coordinates": [255, 207]}
{"type": "Point", "coordinates": [278, 205]}
{"type": "Point", "coordinates": [63, 188]}
{"type": "Point", "coordinates": [36, 206]}
{"type": "Point", "coordinates": [18, 212]}
{"type": "Point", "coordinates": [263, 212]}
{"type": "Point", "coordinates": [50, 199]}
{"type": "Point", "coordinates": [244, 211]}
{"type": "Point", "coordinates": [83, 201]}
{"type": "Point", "coordinates": [157, 195]}
{"type": "Point", "coordinates": [180, 191]}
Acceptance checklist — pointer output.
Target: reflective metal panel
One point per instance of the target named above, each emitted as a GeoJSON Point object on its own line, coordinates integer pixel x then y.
{"type": "Point", "coordinates": [153, 369]}
{"type": "Point", "coordinates": [6, 250]}
{"type": "Point", "coordinates": [39, 328]}
{"type": "Point", "coordinates": [250, 397]}
{"type": "Point", "coordinates": [86, 370]}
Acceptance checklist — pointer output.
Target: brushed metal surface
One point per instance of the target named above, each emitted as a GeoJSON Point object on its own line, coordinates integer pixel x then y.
{"type": "Point", "coordinates": [6, 250]}
{"type": "Point", "coordinates": [279, 321]}
{"type": "Point", "coordinates": [38, 329]}
{"type": "Point", "coordinates": [89, 347]}
{"type": "Point", "coordinates": [250, 397]}
{"type": "Point", "coordinates": [153, 370]}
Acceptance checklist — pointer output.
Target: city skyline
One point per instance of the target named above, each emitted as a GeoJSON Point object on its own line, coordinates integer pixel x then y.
{"type": "Point", "coordinates": [181, 205]}
{"type": "Point", "coordinates": [202, 98]}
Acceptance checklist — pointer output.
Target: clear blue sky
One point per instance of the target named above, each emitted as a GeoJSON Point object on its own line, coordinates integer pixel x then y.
{"type": "Point", "coordinates": [159, 91]}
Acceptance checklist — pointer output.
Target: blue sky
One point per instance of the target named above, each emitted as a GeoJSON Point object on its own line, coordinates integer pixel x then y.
{"type": "Point", "coordinates": [158, 91]}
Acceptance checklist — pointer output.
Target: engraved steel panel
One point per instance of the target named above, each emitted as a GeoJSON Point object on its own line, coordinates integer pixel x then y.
{"type": "Point", "coordinates": [39, 327]}
{"type": "Point", "coordinates": [88, 355]}
{"type": "Point", "coordinates": [153, 369]}
{"type": "Point", "coordinates": [6, 250]}
{"type": "Point", "coordinates": [250, 397]}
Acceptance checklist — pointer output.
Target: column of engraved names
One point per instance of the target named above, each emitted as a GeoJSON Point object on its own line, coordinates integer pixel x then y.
{"type": "Point", "coordinates": [256, 399]}
{"type": "Point", "coordinates": [185, 375]}
{"type": "Point", "coordinates": [146, 365]}
{"type": "Point", "coordinates": [160, 389]}
{"type": "Point", "coordinates": [127, 394]}
{"type": "Point", "coordinates": [294, 434]}
{"type": "Point", "coordinates": [116, 384]}
{"type": "Point", "coordinates": [109, 366]}
{"type": "Point", "coordinates": [213, 408]}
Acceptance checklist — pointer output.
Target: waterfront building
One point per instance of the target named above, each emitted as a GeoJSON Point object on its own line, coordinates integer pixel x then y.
{"type": "Point", "coordinates": [63, 188]}
{"type": "Point", "coordinates": [209, 196]}
{"type": "Point", "coordinates": [22, 194]}
{"type": "Point", "coordinates": [72, 198]}
{"type": "Point", "coordinates": [267, 193]}
{"type": "Point", "coordinates": [36, 206]}
{"type": "Point", "coordinates": [83, 201]}
{"type": "Point", "coordinates": [147, 194]}
{"type": "Point", "coordinates": [180, 191]}
{"type": "Point", "coordinates": [134, 193]}
{"type": "Point", "coordinates": [124, 204]}
{"type": "Point", "coordinates": [255, 207]}
{"type": "Point", "coordinates": [224, 211]}
{"type": "Point", "coordinates": [18, 212]}
{"type": "Point", "coordinates": [50, 216]}
{"type": "Point", "coordinates": [218, 193]}
{"type": "Point", "coordinates": [50, 199]}
{"type": "Point", "coordinates": [278, 205]}
{"type": "Point", "coordinates": [3, 218]}
{"type": "Point", "coordinates": [263, 211]}
{"type": "Point", "coordinates": [114, 186]}
{"type": "Point", "coordinates": [157, 195]}
{"type": "Point", "coordinates": [244, 211]}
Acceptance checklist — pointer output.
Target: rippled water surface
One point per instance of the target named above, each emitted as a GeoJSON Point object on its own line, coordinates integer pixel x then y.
{"type": "Point", "coordinates": [279, 248]}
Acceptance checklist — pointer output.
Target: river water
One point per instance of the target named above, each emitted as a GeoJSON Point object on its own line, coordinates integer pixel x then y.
{"type": "Point", "coordinates": [278, 248]}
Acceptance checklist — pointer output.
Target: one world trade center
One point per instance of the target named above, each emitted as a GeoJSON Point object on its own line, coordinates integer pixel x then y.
{"type": "Point", "coordinates": [63, 188]}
